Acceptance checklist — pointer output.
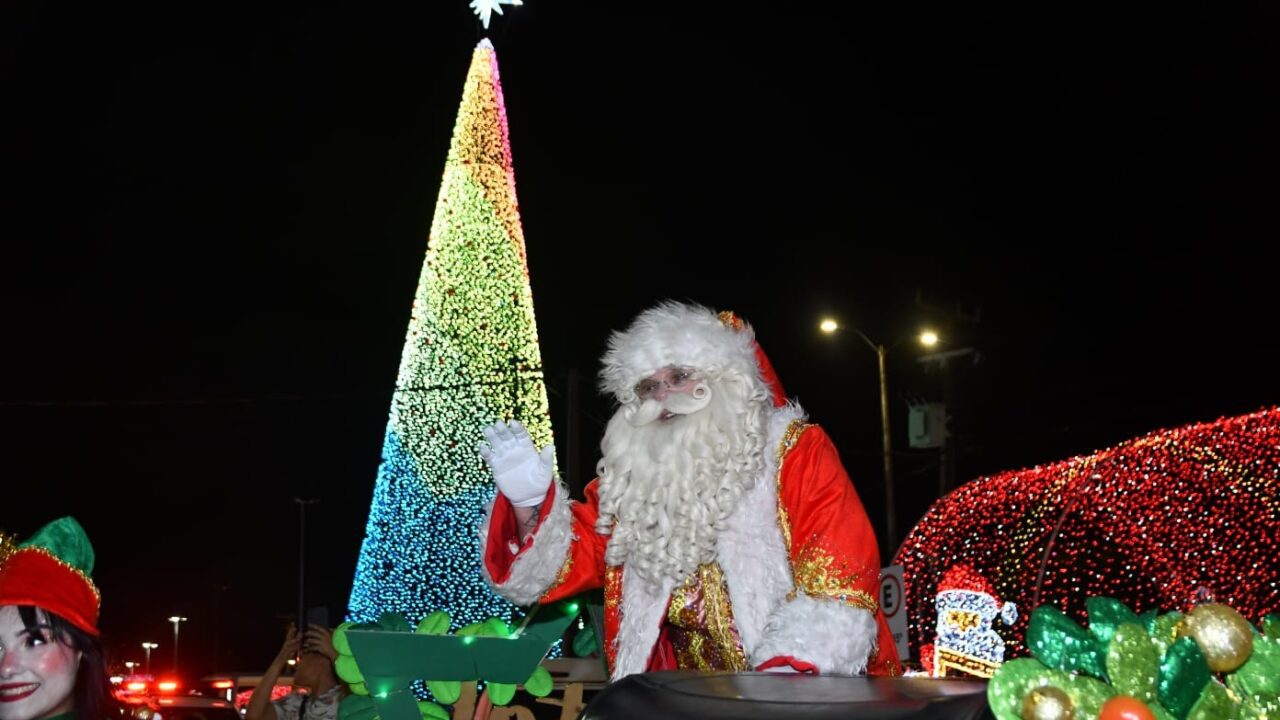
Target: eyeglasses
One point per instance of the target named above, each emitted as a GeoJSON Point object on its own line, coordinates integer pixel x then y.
{"type": "Point", "coordinates": [676, 379]}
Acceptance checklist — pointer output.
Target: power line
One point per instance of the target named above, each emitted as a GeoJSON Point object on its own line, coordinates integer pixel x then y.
{"type": "Point", "coordinates": [173, 402]}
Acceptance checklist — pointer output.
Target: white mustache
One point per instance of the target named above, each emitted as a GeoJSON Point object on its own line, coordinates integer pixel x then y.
{"type": "Point", "coordinates": [676, 403]}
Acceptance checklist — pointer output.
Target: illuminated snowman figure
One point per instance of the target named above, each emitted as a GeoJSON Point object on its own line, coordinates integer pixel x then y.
{"type": "Point", "coordinates": [967, 606]}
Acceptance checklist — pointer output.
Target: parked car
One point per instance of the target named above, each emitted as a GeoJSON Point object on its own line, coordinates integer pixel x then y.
{"type": "Point", "coordinates": [179, 707]}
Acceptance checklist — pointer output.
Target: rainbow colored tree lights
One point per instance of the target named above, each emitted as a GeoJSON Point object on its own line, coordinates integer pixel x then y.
{"type": "Point", "coordinates": [471, 356]}
{"type": "Point", "coordinates": [1161, 523]}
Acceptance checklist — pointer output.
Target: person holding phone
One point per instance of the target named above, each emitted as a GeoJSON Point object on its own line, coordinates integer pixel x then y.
{"type": "Point", "coordinates": [316, 688]}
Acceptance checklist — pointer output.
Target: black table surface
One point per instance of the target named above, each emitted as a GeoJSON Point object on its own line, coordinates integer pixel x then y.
{"type": "Point", "coordinates": [680, 694]}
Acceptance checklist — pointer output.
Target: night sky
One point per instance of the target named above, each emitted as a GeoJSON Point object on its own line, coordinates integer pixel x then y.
{"type": "Point", "coordinates": [215, 216]}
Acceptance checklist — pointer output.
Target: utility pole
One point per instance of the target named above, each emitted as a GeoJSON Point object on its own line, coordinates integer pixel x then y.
{"type": "Point", "coordinates": [302, 560]}
{"type": "Point", "coordinates": [947, 466]}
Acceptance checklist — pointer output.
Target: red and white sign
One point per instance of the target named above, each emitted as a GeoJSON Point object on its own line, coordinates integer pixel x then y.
{"type": "Point", "coordinates": [893, 604]}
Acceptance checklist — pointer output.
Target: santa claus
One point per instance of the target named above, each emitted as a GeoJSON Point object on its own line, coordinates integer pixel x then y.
{"type": "Point", "coordinates": [722, 526]}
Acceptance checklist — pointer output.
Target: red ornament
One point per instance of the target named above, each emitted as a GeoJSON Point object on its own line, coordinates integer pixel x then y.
{"type": "Point", "coordinates": [1124, 707]}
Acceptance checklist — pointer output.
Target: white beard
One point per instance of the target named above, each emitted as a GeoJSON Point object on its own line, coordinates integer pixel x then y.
{"type": "Point", "coordinates": [667, 487]}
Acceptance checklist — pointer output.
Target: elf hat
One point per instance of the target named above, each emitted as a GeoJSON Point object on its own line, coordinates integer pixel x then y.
{"type": "Point", "coordinates": [51, 571]}
{"type": "Point", "coordinates": [674, 334]}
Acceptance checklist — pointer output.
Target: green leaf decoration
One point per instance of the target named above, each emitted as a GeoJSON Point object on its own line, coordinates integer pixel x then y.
{"type": "Point", "coordinates": [540, 683]}
{"type": "Point", "coordinates": [1249, 711]}
{"type": "Point", "coordinates": [1257, 682]}
{"type": "Point", "coordinates": [472, 630]}
{"type": "Point", "coordinates": [1017, 678]}
{"type": "Point", "coordinates": [1165, 630]}
{"type": "Point", "coordinates": [1011, 684]}
{"type": "Point", "coordinates": [1213, 704]}
{"type": "Point", "coordinates": [357, 707]}
{"type": "Point", "coordinates": [1271, 626]}
{"type": "Point", "coordinates": [1148, 620]}
{"type": "Point", "coordinates": [1105, 615]}
{"type": "Point", "coordinates": [340, 638]}
{"type": "Point", "coordinates": [446, 691]}
{"type": "Point", "coordinates": [1133, 663]}
{"type": "Point", "coordinates": [1149, 657]}
{"type": "Point", "coordinates": [501, 693]}
{"type": "Point", "coordinates": [394, 622]}
{"type": "Point", "coordinates": [1059, 642]}
{"type": "Point", "coordinates": [432, 711]}
{"type": "Point", "coordinates": [495, 627]}
{"type": "Point", "coordinates": [347, 671]}
{"type": "Point", "coordinates": [437, 623]}
{"type": "Point", "coordinates": [585, 642]}
{"type": "Point", "coordinates": [1183, 674]}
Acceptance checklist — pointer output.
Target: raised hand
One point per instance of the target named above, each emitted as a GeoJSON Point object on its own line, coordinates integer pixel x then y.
{"type": "Point", "coordinates": [289, 649]}
{"type": "Point", "coordinates": [521, 473]}
{"type": "Point", "coordinates": [319, 639]}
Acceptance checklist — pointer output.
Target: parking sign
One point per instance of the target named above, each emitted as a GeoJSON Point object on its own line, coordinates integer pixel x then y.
{"type": "Point", "coordinates": [892, 602]}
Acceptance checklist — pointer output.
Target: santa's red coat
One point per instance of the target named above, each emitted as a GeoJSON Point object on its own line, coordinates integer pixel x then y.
{"type": "Point", "coordinates": [799, 561]}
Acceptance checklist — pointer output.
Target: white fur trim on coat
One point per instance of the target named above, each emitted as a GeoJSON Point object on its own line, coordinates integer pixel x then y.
{"type": "Point", "coordinates": [751, 551]}
{"type": "Point", "coordinates": [675, 334]}
{"type": "Point", "coordinates": [834, 636]}
{"type": "Point", "coordinates": [643, 607]}
{"type": "Point", "coordinates": [538, 566]}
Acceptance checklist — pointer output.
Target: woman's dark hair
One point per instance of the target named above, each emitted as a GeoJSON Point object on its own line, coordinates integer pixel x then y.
{"type": "Point", "coordinates": [92, 693]}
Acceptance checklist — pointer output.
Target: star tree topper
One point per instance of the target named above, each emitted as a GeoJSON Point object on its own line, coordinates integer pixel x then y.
{"type": "Point", "coordinates": [485, 8]}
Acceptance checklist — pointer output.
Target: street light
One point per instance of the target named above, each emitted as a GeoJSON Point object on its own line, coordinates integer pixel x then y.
{"type": "Point", "coordinates": [148, 647]}
{"type": "Point", "coordinates": [176, 619]}
{"type": "Point", "coordinates": [928, 338]}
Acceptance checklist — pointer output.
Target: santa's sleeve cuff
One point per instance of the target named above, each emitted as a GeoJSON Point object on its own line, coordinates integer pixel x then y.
{"type": "Point", "coordinates": [832, 637]}
{"type": "Point", "coordinates": [524, 576]}
{"type": "Point", "coordinates": [788, 664]}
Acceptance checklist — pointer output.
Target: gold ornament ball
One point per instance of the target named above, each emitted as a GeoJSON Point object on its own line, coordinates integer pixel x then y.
{"type": "Point", "coordinates": [1224, 636]}
{"type": "Point", "coordinates": [1047, 703]}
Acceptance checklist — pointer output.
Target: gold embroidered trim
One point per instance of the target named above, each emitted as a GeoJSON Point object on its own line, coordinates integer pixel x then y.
{"type": "Point", "coordinates": [789, 439]}
{"type": "Point", "coordinates": [819, 574]}
{"type": "Point", "coordinates": [701, 610]}
{"type": "Point", "coordinates": [563, 574]}
{"type": "Point", "coordinates": [8, 544]}
{"type": "Point", "coordinates": [87, 580]}
{"type": "Point", "coordinates": [729, 319]}
{"type": "Point", "coordinates": [612, 613]}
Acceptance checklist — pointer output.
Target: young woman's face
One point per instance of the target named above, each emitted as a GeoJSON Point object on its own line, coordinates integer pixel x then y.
{"type": "Point", "coordinates": [37, 671]}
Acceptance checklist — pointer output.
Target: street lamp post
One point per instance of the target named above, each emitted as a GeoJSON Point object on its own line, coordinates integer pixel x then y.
{"type": "Point", "coordinates": [176, 619]}
{"type": "Point", "coordinates": [927, 338]}
{"type": "Point", "coordinates": [302, 559]}
{"type": "Point", "coordinates": [148, 647]}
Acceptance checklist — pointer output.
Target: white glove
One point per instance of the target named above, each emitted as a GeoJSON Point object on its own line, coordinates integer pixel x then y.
{"type": "Point", "coordinates": [521, 473]}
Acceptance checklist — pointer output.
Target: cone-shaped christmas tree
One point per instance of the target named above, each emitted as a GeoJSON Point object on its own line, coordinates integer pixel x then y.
{"type": "Point", "coordinates": [471, 357]}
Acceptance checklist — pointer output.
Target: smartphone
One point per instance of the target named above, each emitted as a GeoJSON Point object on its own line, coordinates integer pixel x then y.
{"type": "Point", "coordinates": [317, 615]}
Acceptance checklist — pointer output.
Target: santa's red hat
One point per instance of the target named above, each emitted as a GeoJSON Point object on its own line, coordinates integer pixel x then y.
{"type": "Point", "coordinates": [675, 334]}
{"type": "Point", "coordinates": [51, 571]}
{"type": "Point", "coordinates": [963, 577]}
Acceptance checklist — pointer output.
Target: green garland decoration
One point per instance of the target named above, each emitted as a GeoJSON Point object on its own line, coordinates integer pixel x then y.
{"type": "Point", "coordinates": [359, 706]}
{"type": "Point", "coordinates": [1154, 658]}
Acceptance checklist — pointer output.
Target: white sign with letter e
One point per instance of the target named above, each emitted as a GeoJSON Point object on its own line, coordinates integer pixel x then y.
{"type": "Point", "coordinates": [893, 603]}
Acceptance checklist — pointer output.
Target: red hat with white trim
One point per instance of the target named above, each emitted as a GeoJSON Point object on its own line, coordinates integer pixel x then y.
{"type": "Point", "coordinates": [675, 334]}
